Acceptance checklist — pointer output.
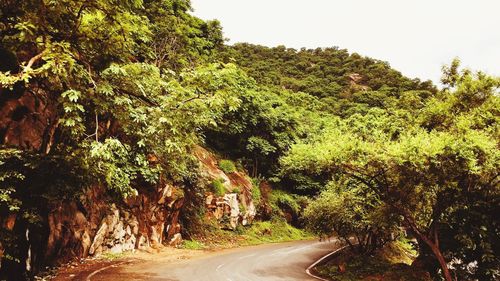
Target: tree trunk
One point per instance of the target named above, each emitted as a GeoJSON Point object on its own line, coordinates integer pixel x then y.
{"type": "Point", "coordinates": [442, 262]}
{"type": "Point", "coordinates": [434, 245]}
{"type": "Point", "coordinates": [437, 253]}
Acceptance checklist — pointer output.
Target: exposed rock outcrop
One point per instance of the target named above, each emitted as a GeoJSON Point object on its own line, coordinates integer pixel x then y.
{"type": "Point", "coordinates": [236, 205]}
{"type": "Point", "coordinates": [26, 122]}
{"type": "Point", "coordinates": [96, 224]}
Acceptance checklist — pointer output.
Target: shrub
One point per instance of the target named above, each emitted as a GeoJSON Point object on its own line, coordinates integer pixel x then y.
{"type": "Point", "coordinates": [192, 245]}
{"type": "Point", "coordinates": [281, 200]}
{"type": "Point", "coordinates": [192, 216]}
{"type": "Point", "coordinates": [227, 166]}
{"type": "Point", "coordinates": [390, 263]}
{"type": "Point", "coordinates": [351, 211]}
{"type": "Point", "coordinates": [218, 187]}
{"type": "Point", "coordinates": [256, 195]}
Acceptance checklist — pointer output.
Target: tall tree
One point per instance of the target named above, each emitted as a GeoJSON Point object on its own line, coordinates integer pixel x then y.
{"type": "Point", "coordinates": [422, 173]}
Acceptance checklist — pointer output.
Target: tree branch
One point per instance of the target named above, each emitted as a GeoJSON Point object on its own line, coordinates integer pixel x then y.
{"type": "Point", "coordinates": [34, 59]}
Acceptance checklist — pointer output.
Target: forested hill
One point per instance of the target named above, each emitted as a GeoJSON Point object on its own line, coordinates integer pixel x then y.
{"type": "Point", "coordinates": [108, 108]}
{"type": "Point", "coordinates": [322, 72]}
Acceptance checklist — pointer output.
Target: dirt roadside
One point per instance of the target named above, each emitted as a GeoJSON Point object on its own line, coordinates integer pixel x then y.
{"type": "Point", "coordinates": [81, 270]}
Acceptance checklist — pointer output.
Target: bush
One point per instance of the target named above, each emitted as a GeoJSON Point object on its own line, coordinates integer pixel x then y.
{"type": "Point", "coordinates": [218, 187]}
{"type": "Point", "coordinates": [242, 207]}
{"type": "Point", "coordinates": [227, 166]}
{"type": "Point", "coordinates": [192, 215]}
{"type": "Point", "coordinates": [390, 263]}
{"type": "Point", "coordinates": [347, 210]}
{"type": "Point", "coordinates": [281, 200]}
{"type": "Point", "coordinates": [256, 195]}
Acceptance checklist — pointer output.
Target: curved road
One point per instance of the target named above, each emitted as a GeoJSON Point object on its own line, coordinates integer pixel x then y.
{"type": "Point", "coordinates": [273, 262]}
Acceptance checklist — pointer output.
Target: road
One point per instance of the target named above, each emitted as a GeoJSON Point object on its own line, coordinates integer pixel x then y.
{"type": "Point", "coordinates": [273, 262]}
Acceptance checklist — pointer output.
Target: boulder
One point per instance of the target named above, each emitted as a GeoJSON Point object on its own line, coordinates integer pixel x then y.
{"type": "Point", "coordinates": [98, 239]}
{"type": "Point", "coordinates": [231, 200]}
{"type": "Point", "coordinates": [176, 240]}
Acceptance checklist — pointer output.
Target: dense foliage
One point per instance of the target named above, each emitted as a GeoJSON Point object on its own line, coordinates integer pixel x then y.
{"type": "Point", "coordinates": [297, 94]}
{"type": "Point", "coordinates": [355, 214]}
{"type": "Point", "coordinates": [340, 79]}
{"type": "Point", "coordinates": [130, 87]}
{"type": "Point", "coordinates": [125, 97]}
{"type": "Point", "coordinates": [430, 170]}
{"type": "Point", "coordinates": [322, 72]}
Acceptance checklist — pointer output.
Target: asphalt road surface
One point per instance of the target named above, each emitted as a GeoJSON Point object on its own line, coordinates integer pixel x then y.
{"type": "Point", "coordinates": [273, 262]}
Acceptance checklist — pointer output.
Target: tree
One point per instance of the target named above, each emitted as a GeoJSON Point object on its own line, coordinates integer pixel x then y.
{"type": "Point", "coordinates": [264, 126]}
{"type": "Point", "coordinates": [421, 172]}
{"type": "Point", "coordinates": [108, 109]}
{"type": "Point", "coordinates": [353, 213]}
{"type": "Point", "coordinates": [321, 72]}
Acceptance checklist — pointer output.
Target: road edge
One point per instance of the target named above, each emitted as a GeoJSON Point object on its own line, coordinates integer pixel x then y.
{"type": "Point", "coordinates": [95, 272]}
{"type": "Point", "coordinates": [308, 270]}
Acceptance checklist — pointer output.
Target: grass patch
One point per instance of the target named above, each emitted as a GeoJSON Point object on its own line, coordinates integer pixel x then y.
{"type": "Point", "coordinates": [113, 256]}
{"type": "Point", "coordinates": [227, 166]}
{"type": "Point", "coordinates": [193, 245]}
{"type": "Point", "coordinates": [218, 187]}
{"type": "Point", "coordinates": [242, 207]}
{"type": "Point", "coordinates": [257, 233]}
{"type": "Point", "coordinates": [392, 263]}
{"type": "Point", "coordinates": [273, 231]}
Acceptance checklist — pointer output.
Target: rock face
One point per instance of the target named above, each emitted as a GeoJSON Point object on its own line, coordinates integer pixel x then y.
{"type": "Point", "coordinates": [236, 205]}
{"type": "Point", "coordinates": [25, 122]}
{"type": "Point", "coordinates": [231, 200]}
{"type": "Point", "coordinates": [96, 224]}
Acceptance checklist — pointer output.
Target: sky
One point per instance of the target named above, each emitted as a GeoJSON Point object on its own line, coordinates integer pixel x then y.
{"type": "Point", "coordinates": [417, 37]}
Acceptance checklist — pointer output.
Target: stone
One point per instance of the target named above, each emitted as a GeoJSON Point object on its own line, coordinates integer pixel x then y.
{"type": "Point", "coordinates": [165, 193]}
{"type": "Point", "coordinates": [249, 214]}
{"type": "Point", "coordinates": [99, 238]}
{"type": "Point", "coordinates": [176, 240]}
{"type": "Point", "coordinates": [143, 242]}
{"type": "Point", "coordinates": [112, 218]}
{"type": "Point", "coordinates": [209, 199]}
{"type": "Point", "coordinates": [119, 231]}
{"type": "Point", "coordinates": [116, 249]}
{"type": "Point", "coordinates": [156, 234]}
{"type": "Point", "coordinates": [130, 243]}
{"type": "Point", "coordinates": [86, 243]}
{"type": "Point", "coordinates": [126, 215]}
{"type": "Point", "coordinates": [218, 212]}
{"type": "Point", "coordinates": [231, 200]}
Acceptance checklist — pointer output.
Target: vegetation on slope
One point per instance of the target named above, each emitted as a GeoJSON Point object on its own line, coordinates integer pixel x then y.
{"type": "Point", "coordinates": [421, 173]}
{"type": "Point", "coordinates": [117, 94]}
{"type": "Point", "coordinates": [391, 263]}
{"type": "Point", "coordinates": [260, 232]}
{"type": "Point", "coordinates": [321, 72]}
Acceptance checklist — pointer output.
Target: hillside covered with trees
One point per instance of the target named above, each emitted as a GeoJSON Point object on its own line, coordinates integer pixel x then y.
{"type": "Point", "coordinates": [109, 103]}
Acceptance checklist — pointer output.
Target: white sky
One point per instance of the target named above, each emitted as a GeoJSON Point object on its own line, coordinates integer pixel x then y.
{"type": "Point", "coordinates": [415, 36]}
